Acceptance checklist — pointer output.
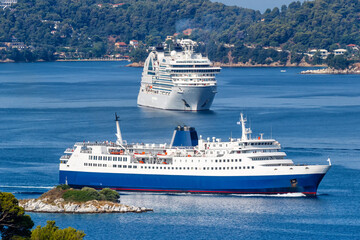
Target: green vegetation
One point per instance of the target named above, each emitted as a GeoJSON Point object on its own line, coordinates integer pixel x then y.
{"type": "Point", "coordinates": [63, 186]}
{"type": "Point", "coordinates": [88, 194]}
{"type": "Point", "coordinates": [51, 231]}
{"type": "Point", "coordinates": [90, 28]}
{"type": "Point", "coordinates": [337, 62]}
{"type": "Point", "coordinates": [14, 224]}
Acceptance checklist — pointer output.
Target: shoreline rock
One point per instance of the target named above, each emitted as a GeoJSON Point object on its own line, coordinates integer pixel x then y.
{"type": "Point", "coordinates": [59, 205]}
{"type": "Point", "coordinates": [136, 64]}
{"type": "Point", "coordinates": [352, 70]}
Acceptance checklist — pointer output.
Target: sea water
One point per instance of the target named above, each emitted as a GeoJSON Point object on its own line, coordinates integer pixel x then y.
{"type": "Point", "coordinates": [47, 107]}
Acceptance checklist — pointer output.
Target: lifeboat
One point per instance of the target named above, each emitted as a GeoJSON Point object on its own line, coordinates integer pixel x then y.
{"type": "Point", "coordinates": [141, 161]}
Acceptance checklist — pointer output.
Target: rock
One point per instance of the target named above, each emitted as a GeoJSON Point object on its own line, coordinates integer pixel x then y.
{"type": "Point", "coordinates": [352, 70]}
{"type": "Point", "coordinates": [60, 206]}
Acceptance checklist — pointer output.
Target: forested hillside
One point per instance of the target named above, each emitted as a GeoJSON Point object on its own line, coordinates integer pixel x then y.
{"type": "Point", "coordinates": [90, 28]}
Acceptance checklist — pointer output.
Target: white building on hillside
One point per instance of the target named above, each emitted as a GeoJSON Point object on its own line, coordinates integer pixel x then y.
{"type": "Point", "coordinates": [339, 52]}
{"type": "Point", "coordinates": [7, 3]}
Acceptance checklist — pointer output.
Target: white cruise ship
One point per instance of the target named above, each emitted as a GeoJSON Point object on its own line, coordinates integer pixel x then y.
{"type": "Point", "coordinates": [178, 80]}
{"type": "Point", "coordinates": [243, 165]}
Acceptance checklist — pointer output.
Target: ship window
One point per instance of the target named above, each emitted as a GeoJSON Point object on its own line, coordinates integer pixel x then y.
{"type": "Point", "coordinates": [119, 166]}
{"type": "Point", "coordinates": [130, 166]}
{"type": "Point", "coordinates": [232, 168]}
{"type": "Point", "coordinates": [100, 158]}
{"type": "Point", "coordinates": [114, 165]}
{"type": "Point", "coordinates": [119, 158]}
{"type": "Point", "coordinates": [124, 166]}
{"type": "Point", "coordinates": [141, 166]}
{"type": "Point", "coordinates": [90, 157]}
{"type": "Point", "coordinates": [195, 168]}
{"type": "Point", "coordinates": [188, 168]}
{"type": "Point", "coordinates": [216, 168]}
{"type": "Point", "coordinates": [153, 167]}
{"type": "Point", "coordinates": [109, 158]}
{"type": "Point", "coordinates": [216, 160]}
{"type": "Point", "coordinates": [145, 167]}
{"type": "Point", "coordinates": [114, 158]}
{"type": "Point", "coordinates": [228, 168]}
{"type": "Point", "coordinates": [85, 164]}
{"type": "Point", "coordinates": [204, 168]}
{"type": "Point", "coordinates": [95, 157]}
{"type": "Point", "coordinates": [134, 166]}
{"type": "Point", "coordinates": [252, 167]}
{"type": "Point", "coordinates": [105, 158]}
{"type": "Point", "coordinates": [232, 160]}
{"type": "Point", "coordinates": [235, 160]}
{"type": "Point", "coordinates": [160, 167]}
{"type": "Point", "coordinates": [236, 168]}
{"type": "Point", "coordinates": [176, 168]}
{"type": "Point", "coordinates": [90, 164]}
{"type": "Point", "coordinates": [94, 165]}
{"type": "Point", "coordinates": [212, 168]}
{"type": "Point", "coordinates": [248, 167]}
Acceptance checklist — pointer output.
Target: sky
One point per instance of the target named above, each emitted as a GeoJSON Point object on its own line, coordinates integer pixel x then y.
{"type": "Point", "coordinates": [261, 5]}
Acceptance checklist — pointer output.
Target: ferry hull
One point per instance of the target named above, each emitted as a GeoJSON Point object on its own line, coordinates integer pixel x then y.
{"type": "Point", "coordinates": [180, 98]}
{"type": "Point", "coordinates": [275, 184]}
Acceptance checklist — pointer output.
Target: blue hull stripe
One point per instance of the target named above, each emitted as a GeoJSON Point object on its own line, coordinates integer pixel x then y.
{"type": "Point", "coordinates": [307, 183]}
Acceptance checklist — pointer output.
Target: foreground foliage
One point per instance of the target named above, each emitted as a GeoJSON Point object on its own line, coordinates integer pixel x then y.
{"type": "Point", "coordinates": [14, 224]}
{"type": "Point", "coordinates": [52, 232]}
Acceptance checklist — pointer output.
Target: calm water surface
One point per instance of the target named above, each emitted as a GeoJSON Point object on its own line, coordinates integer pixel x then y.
{"type": "Point", "coordinates": [46, 107]}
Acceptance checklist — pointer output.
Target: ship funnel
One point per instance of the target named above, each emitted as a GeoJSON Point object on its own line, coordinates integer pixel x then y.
{"type": "Point", "coordinates": [119, 140]}
{"type": "Point", "coordinates": [184, 136]}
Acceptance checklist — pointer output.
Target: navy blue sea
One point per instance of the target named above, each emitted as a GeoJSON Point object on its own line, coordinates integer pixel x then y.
{"type": "Point", "coordinates": [46, 107]}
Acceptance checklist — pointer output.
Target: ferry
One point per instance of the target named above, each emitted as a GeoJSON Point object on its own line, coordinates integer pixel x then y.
{"type": "Point", "coordinates": [179, 79]}
{"type": "Point", "coordinates": [190, 164]}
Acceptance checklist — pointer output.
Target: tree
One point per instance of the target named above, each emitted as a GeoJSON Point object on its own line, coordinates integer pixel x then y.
{"type": "Point", "coordinates": [52, 232]}
{"type": "Point", "coordinates": [337, 62]}
{"type": "Point", "coordinates": [13, 222]}
{"type": "Point", "coordinates": [110, 195]}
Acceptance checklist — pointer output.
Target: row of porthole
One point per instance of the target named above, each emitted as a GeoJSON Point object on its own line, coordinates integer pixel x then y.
{"type": "Point", "coordinates": [225, 160]}
{"type": "Point", "coordinates": [107, 158]}
{"type": "Point", "coordinates": [195, 168]}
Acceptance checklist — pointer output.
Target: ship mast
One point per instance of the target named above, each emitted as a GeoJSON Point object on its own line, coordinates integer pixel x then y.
{"type": "Point", "coordinates": [245, 131]}
{"type": "Point", "coordinates": [119, 140]}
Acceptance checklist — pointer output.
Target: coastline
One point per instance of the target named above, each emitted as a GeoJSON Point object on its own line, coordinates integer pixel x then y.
{"type": "Point", "coordinates": [243, 65]}
{"type": "Point", "coordinates": [216, 64]}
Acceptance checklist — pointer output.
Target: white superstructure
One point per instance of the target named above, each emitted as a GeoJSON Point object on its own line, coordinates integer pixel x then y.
{"type": "Point", "coordinates": [179, 79]}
